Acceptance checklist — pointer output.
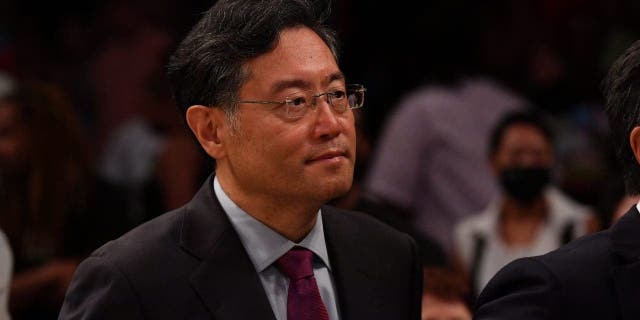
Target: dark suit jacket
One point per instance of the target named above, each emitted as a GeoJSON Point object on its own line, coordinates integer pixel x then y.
{"type": "Point", "coordinates": [190, 264]}
{"type": "Point", "coordinates": [594, 277]}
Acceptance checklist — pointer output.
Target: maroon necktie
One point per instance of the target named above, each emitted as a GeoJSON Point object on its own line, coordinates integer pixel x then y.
{"type": "Point", "coordinates": [303, 300]}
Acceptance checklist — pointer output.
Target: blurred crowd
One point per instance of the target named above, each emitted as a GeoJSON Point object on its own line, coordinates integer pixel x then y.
{"type": "Point", "coordinates": [483, 134]}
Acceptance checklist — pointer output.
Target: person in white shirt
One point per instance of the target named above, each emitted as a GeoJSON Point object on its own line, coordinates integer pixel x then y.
{"type": "Point", "coordinates": [6, 269]}
{"type": "Point", "coordinates": [530, 216]}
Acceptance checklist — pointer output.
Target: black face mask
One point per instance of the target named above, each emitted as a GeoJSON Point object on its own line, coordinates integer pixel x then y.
{"type": "Point", "coordinates": [525, 184]}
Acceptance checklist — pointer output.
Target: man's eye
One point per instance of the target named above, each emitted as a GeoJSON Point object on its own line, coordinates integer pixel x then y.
{"type": "Point", "coordinates": [338, 94]}
{"type": "Point", "coordinates": [297, 101]}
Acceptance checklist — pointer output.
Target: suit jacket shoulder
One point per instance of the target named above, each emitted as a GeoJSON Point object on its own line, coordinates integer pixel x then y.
{"type": "Point", "coordinates": [170, 268]}
{"type": "Point", "coordinates": [558, 285]}
{"type": "Point", "coordinates": [590, 278]}
{"type": "Point", "coordinates": [368, 228]}
{"type": "Point", "coordinates": [377, 269]}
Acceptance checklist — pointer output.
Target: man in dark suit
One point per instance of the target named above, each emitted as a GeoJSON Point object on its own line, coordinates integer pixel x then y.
{"type": "Point", "coordinates": [261, 90]}
{"type": "Point", "coordinates": [594, 277]}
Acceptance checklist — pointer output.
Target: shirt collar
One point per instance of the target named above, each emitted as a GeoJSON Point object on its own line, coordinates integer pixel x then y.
{"type": "Point", "coordinates": [262, 243]}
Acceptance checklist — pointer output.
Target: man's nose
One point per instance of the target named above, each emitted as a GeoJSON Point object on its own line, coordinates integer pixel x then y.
{"type": "Point", "coordinates": [327, 125]}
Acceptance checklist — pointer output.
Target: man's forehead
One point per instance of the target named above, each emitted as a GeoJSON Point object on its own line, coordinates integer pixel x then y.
{"type": "Point", "coordinates": [300, 60]}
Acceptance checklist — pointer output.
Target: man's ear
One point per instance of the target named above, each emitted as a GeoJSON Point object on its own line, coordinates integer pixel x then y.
{"type": "Point", "coordinates": [634, 140]}
{"type": "Point", "coordinates": [206, 124]}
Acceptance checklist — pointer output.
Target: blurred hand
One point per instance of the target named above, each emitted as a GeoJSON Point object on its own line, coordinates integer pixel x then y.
{"type": "Point", "coordinates": [58, 275]}
{"type": "Point", "coordinates": [47, 283]}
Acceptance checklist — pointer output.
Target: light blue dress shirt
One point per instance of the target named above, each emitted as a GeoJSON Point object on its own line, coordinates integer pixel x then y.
{"type": "Point", "coordinates": [265, 246]}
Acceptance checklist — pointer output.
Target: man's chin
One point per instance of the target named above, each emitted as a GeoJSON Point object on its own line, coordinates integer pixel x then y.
{"type": "Point", "coordinates": [335, 189]}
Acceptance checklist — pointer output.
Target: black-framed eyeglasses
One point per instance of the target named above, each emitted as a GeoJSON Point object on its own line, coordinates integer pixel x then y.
{"type": "Point", "coordinates": [296, 105]}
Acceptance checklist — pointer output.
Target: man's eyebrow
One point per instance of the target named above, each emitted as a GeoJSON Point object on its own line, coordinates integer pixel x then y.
{"type": "Point", "coordinates": [299, 83]}
{"type": "Point", "coordinates": [286, 84]}
{"type": "Point", "coordinates": [338, 75]}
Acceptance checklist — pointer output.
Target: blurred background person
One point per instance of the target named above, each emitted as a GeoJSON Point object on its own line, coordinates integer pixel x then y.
{"type": "Point", "coordinates": [6, 269]}
{"type": "Point", "coordinates": [142, 154]}
{"type": "Point", "coordinates": [429, 160]}
{"type": "Point", "coordinates": [6, 256]}
{"type": "Point", "coordinates": [530, 216]}
{"type": "Point", "coordinates": [53, 211]}
{"type": "Point", "coordinates": [139, 139]}
{"type": "Point", "coordinates": [478, 57]}
{"type": "Point", "coordinates": [446, 295]}
{"type": "Point", "coordinates": [428, 164]}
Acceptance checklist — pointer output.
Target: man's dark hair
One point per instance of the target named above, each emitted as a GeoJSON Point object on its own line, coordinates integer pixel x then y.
{"type": "Point", "coordinates": [206, 68]}
{"type": "Point", "coordinates": [622, 96]}
{"type": "Point", "coordinates": [528, 117]}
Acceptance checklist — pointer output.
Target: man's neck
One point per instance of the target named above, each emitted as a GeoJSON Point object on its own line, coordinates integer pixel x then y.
{"type": "Point", "coordinates": [290, 224]}
{"type": "Point", "coordinates": [289, 217]}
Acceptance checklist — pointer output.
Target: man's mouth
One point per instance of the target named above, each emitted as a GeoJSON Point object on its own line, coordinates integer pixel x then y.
{"type": "Point", "coordinates": [328, 155]}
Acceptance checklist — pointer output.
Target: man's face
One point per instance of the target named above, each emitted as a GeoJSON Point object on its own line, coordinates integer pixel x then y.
{"type": "Point", "coordinates": [308, 160]}
{"type": "Point", "coordinates": [523, 145]}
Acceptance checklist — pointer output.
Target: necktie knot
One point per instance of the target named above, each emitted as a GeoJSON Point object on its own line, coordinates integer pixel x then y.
{"type": "Point", "coordinates": [303, 297]}
{"type": "Point", "coordinates": [296, 264]}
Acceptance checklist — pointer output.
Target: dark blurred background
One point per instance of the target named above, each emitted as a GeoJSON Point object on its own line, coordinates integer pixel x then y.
{"type": "Point", "coordinates": [107, 59]}
{"type": "Point", "coordinates": [552, 51]}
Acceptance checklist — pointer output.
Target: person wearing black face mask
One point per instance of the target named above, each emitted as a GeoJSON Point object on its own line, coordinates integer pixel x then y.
{"type": "Point", "coordinates": [530, 216]}
{"type": "Point", "coordinates": [525, 184]}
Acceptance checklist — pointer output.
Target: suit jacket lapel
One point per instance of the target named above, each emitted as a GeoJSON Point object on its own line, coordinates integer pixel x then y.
{"type": "Point", "coordinates": [353, 265]}
{"type": "Point", "coordinates": [626, 246]}
{"type": "Point", "coordinates": [225, 280]}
